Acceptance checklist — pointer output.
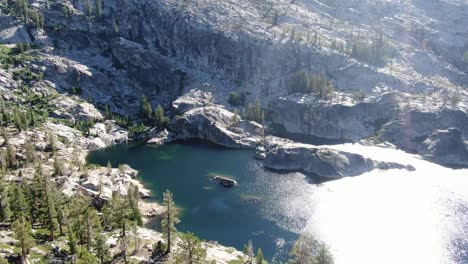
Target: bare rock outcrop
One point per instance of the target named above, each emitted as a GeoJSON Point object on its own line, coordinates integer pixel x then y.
{"type": "Point", "coordinates": [445, 147]}
{"type": "Point", "coordinates": [285, 155]}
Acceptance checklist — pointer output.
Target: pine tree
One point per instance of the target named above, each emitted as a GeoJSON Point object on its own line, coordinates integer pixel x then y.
{"type": "Point", "coordinates": [235, 118]}
{"type": "Point", "coordinates": [11, 155]}
{"type": "Point", "coordinates": [146, 110]}
{"type": "Point", "coordinates": [109, 168]}
{"type": "Point", "coordinates": [133, 198]}
{"type": "Point", "coordinates": [249, 251]}
{"type": "Point", "coordinates": [136, 240]}
{"type": "Point", "coordinates": [170, 219]}
{"type": "Point", "coordinates": [191, 250]}
{"type": "Point", "coordinates": [72, 242]}
{"type": "Point", "coordinates": [17, 200]}
{"type": "Point", "coordinates": [303, 249]}
{"type": "Point", "coordinates": [86, 257]}
{"type": "Point", "coordinates": [29, 151]}
{"type": "Point", "coordinates": [22, 233]}
{"type": "Point", "coordinates": [78, 216]}
{"type": "Point", "coordinates": [102, 249]}
{"type": "Point", "coordinates": [61, 208]}
{"type": "Point", "coordinates": [160, 118]}
{"type": "Point", "coordinates": [93, 225]}
{"type": "Point", "coordinates": [49, 202]}
{"type": "Point", "coordinates": [4, 203]}
{"type": "Point", "coordinates": [259, 258]}
{"type": "Point", "coordinates": [324, 255]}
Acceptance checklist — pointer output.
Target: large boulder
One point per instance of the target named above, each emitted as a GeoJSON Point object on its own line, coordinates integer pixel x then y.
{"type": "Point", "coordinates": [217, 125]}
{"type": "Point", "coordinates": [285, 155]}
{"type": "Point", "coordinates": [445, 147]}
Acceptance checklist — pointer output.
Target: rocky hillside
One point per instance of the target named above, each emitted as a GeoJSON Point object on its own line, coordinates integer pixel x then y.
{"type": "Point", "coordinates": [345, 70]}
{"type": "Point", "coordinates": [73, 74]}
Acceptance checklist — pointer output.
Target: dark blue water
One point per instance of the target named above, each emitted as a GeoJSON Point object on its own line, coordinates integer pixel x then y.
{"type": "Point", "coordinates": [256, 209]}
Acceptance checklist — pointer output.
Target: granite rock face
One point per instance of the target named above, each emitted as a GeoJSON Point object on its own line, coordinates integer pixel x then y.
{"type": "Point", "coordinates": [199, 118]}
{"type": "Point", "coordinates": [445, 147]}
{"type": "Point", "coordinates": [193, 99]}
{"type": "Point", "coordinates": [308, 116]}
{"type": "Point", "coordinates": [285, 155]}
{"type": "Point", "coordinates": [216, 124]}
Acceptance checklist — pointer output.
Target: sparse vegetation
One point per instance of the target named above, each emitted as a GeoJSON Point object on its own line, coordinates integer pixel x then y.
{"type": "Point", "coordinates": [304, 82]}
{"type": "Point", "coordinates": [371, 51]}
{"type": "Point", "coordinates": [254, 112]}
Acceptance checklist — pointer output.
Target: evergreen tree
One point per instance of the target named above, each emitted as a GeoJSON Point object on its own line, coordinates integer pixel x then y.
{"type": "Point", "coordinates": [249, 251]}
{"type": "Point", "coordinates": [93, 225]}
{"type": "Point", "coordinates": [133, 198]}
{"type": "Point", "coordinates": [50, 209]}
{"type": "Point", "coordinates": [191, 250]}
{"type": "Point", "coordinates": [235, 118]}
{"type": "Point", "coordinates": [259, 258]}
{"type": "Point", "coordinates": [72, 242]}
{"type": "Point", "coordinates": [25, 241]}
{"type": "Point", "coordinates": [170, 219]}
{"type": "Point", "coordinates": [86, 257]}
{"type": "Point", "coordinates": [4, 203]}
{"type": "Point", "coordinates": [102, 249]}
{"type": "Point", "coordinates": [109, 168]}
{"type": "Point", "coordinates": [160, 119]}
{"type": "Point", "coordinates": [323, 255]}
{"type": "Point", "coordinates": [29, 151]}
{"type": "Point", "coordinates": [17, 200]}
{"type": "Point", "coordinates": [77, 218]}
{"type": "Point", "coordinates": [10, 155]}
{"type": "Point", "coordinates": [146, 110]}
{"type": "Point", "coordinates": [61, 208]}
{"type": "Point", "coordinates": [136, 240]}
{"type": "Point", "coordinates": [303, 249]}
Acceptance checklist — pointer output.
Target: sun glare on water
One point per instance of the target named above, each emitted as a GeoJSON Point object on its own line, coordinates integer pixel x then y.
{"type": "Point", "coordinates": [394, 216]}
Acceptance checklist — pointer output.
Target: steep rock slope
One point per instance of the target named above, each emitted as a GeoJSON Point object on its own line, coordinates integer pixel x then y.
{"type": "Point", "coordinates": [115, 51]}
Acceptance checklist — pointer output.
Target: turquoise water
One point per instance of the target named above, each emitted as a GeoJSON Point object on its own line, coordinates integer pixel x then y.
{"type": "Point", "coordinates": [385, 217]}
{"type": "Point", "coordinates": [256, 209]}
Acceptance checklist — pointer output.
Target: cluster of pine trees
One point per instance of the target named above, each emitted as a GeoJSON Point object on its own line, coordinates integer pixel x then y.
{"type": "Point", "coordinates": [304, 82]}
{"type": "Point", "coordinates": [40, 204]}
{"type": "Point", "coordinates": [371, 51]}
{"type": "Point", "coordinates": [21, 119]}
{"type": "Point", "coordinates": [23, 10]}
{"type": "Point", "coordinates": [157, 118]}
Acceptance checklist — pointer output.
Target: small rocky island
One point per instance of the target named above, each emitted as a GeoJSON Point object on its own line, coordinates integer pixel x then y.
{"type": "Point", "coordinates": [225, 181]}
